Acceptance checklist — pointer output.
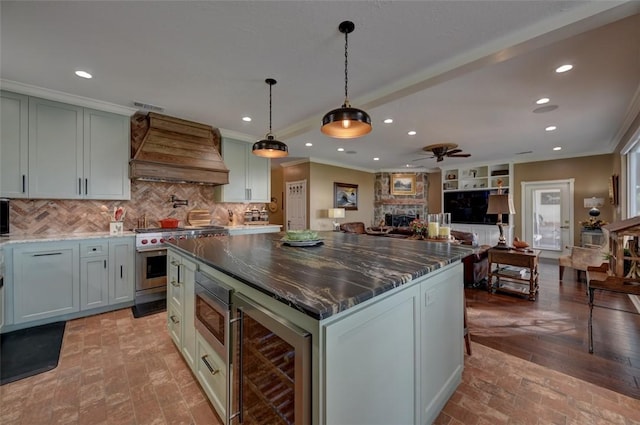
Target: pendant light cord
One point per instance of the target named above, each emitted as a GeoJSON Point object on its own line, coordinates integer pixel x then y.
{"type": "Point", "coordinates": [270, 85]}
{"type": "Point", "coordinates": [346, 66]}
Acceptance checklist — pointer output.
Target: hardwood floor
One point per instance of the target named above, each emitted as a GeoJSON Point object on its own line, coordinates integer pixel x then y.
{"type": "Point", "coordinates": [552, 331]}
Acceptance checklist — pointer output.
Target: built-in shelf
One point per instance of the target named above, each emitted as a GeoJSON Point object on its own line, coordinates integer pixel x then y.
{"type": "Point", "coordinates": [478, 177]}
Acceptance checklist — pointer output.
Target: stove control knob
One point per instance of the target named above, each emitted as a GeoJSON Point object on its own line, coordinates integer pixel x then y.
{"type": "Point", "coordinates": [154, 241]}
{"type": "Point", "coordinates": [182, 237]}
{"type": "Point", "coordinates": [144, 242]}
{"type": "Point", "coordinates": [161, 240]}
{"type": "Point", "coordinates": [171, 238]}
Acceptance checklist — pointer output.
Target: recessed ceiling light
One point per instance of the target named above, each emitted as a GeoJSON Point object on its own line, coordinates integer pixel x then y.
{"type": "Point", "coordinates": [84, 74]}
{"type": "Point", "coordinates": [412, 133]}
{"type": "Point", "coordinates": [543, 100]}
{"type": "Point", "coordinates": [551, 128]}
{"type": "Point", "coordinates": [564, 68]}
{"type": "Point", "coordinates": [557, 148]}
{"type": "Point", "coordinates": [388, 121]}
{"type": "Point", "coordinates": [340, 149]}
{"type": "Point", "coordinates": [376, 159]}
{"type": "Point", "coordinates": [246, 119]}
{"type": "Point", "coordinates": [308, 144]}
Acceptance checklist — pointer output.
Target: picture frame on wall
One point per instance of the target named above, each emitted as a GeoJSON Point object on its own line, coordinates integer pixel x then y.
{"type": "Point", "coordinates": [345, 196]}
{"type": "Point", "coordinates": [403, 184]}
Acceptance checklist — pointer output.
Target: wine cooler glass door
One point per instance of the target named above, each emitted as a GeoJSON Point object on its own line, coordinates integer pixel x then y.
{"type": "Point", "coordinates": [272, 367]}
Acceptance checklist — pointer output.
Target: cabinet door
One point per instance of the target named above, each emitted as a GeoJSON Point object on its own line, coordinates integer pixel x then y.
{"type": "Point", "coordinates": [384, 338]}
{"type": "Point", "coordinates": [14, 144]}
{"type": "Point", "coordinates": [121, 273]}
{"type": "Point", "coordinates": [189, 330]}
{"type": "Point", "coordinates": [175, 286]}
{"type": "Point", "coordinates": [94, 282]}
{"type": "Point", "coordinates": [234, 154]}
{"type": "Point", "coordinates": [258, 178]}
{"type": "Point", "coordinates": [106, 155]}
{"type": "Point", "coordinates": [55, 150]}
{"type": "Point", "coordinates": [441, 327]}
{"type": "Point", "coordinates": [46, 281]}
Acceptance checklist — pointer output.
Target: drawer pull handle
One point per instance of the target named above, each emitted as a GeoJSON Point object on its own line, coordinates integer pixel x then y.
{"type": "Point", "coordinates": [50, 253]}
{"type": "Point", "coordinates": [174, 320]}
{"type": "Point", "coordinates": [176, 284]}
{"type": "Point", "coordinates": [212, 371]}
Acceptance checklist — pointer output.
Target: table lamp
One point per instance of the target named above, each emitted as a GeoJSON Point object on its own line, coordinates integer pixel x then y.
{"type": "Point", "coordinates": [336, 213]}
{"type": "Point", "coordinates": [499, 204]}
{"type": "Point", "coordinates": [594, 203]}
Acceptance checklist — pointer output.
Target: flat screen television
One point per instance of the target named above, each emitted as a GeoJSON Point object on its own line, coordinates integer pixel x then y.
{"type": "Point", "coordinates": [470, 207]}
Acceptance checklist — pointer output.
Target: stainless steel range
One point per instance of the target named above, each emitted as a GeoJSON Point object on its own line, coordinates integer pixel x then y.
{"type": "Point", "coordinates": [151, 257]}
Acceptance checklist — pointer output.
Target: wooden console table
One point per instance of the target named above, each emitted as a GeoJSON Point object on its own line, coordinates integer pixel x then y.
{"type": "Point", "coordinates": [617, 284]}
{"type": "Point", "coordinates": [523, 259]}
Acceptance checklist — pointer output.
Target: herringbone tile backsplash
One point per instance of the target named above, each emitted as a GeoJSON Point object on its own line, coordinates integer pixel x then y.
{"type": "Point", "coordinates": [45, 216]}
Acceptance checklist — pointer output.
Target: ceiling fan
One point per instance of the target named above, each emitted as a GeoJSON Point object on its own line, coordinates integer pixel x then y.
{"type": "Point", "coordinates": [440, 150]}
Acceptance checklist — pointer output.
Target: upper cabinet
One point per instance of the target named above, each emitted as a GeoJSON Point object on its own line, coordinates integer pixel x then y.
{"type": "Point", "coordinates": [70, 152]}
{"type": "Point", "coordinates": [14, 144]}
{"type": "Point", "coordinates": [479, 177]}
{"type": "Point", "coordinates": [249, 175]}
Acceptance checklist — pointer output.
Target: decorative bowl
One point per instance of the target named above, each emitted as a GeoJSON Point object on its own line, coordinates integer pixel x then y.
{"type": "Point", "coordinates": [302, 235]}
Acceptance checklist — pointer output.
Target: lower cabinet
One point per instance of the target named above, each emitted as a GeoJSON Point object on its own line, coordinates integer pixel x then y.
{"type": "Point", "coordinates": [46, 281]}
{"type": "Point", "coordinates": [181, 304]}
{"type": "Point", "coordinates": [52, 280]}
{"type": "Point", "coordinates": [210, 370]}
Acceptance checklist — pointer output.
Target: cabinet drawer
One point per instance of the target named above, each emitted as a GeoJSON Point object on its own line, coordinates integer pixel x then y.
{"type": "Point", "coordinates": [214, 380]}
{"type": "Point", "coordinates": [93, 249]}
{"type": "Point", "coordinates": [174, 324]}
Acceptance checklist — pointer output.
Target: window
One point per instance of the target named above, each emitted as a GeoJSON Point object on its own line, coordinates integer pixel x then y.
{"type": "Point", "coordinates": [633, 180]}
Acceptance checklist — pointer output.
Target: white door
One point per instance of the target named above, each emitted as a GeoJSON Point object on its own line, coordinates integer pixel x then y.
{"type": "Point", "coordinates": [296, 205]}
{"type": "Point", "coordinates": [546, 220]}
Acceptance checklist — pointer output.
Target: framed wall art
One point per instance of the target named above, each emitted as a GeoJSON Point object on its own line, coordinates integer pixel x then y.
{"type": "Point", "coordinates": [345, 196]}
{"type": "Point", "coordinates": [403, 184]}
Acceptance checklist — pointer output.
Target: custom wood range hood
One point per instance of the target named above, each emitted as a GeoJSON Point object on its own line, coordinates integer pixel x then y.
{"type": "Point", "coordinates": [169, 149]}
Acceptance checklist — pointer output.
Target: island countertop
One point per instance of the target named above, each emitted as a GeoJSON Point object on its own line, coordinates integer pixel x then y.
{"type": "Point", "coordinates": [323, 280]}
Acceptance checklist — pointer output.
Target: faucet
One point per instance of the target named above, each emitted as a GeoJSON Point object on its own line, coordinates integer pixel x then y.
{"type": "Point", "coordinates": [178, 202]}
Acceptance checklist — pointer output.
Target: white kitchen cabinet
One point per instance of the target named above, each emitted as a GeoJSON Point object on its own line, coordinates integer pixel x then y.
{"type": "Point", "coordinates": [14, 144]}
{"type": "Point", "coordinates": [253, 229]}
{"type": "Point", "coordinates": [181, 304]}
{"type": "Point", "coordinates": [49, 281]}
{"type": "Point", "coordinates": [94, 274]}
{"type": "Point", "coordinates": [121, 270]}
{"type": "Point", "coordinates": [106, 155]}
{"type": "Point", "coordinates": [55, 150]}
{"type": "Point", "coordinates": [46, 280]}
{"type": "Point", "coordinates": [249, 175]}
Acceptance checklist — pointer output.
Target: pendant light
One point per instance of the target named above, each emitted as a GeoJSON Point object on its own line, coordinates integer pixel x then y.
{"type": "Point", "coordinates": [346, 122]}
{"type": "Point", "coordinates": [270, 147]}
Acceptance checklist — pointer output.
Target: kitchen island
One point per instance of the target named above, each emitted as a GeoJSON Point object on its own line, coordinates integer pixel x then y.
{"type": "Point", "coordinates": [384, 315]}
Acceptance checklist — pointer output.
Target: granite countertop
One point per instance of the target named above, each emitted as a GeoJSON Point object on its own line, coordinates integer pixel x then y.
{"type": "Point", "coordinates": [323, 280]}
{"type": "Point", "coordinates": [16, 238]}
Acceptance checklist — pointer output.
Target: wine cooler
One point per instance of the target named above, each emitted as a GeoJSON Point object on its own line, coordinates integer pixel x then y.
{"type": "Point", "coordinates": [271, 368]}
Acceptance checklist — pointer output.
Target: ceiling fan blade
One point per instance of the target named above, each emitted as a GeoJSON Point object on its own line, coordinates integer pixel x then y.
{"type": "Point", "coordinates": [421, 159]}
{"type": "Point", "coordinates": [460, 155]}
{"type": "Point", "coordinates": [453, 151]}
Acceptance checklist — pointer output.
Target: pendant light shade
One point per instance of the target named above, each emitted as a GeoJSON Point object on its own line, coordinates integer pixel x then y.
{"type": "Point", "coordinates": [269, 147]}
{"type": "Point", "coordinates": [346, 122]}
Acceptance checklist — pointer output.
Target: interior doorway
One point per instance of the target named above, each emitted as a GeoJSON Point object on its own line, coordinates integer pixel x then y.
{"type": "Point", "coordinates": [296, 205]}
{"type": "Point", "coordinates": [546, 221]}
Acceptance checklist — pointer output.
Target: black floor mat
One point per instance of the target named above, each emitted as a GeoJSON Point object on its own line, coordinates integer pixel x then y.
{"type": "Point", "coordinates": [30, 351]}
{"type": "Point", "coordinates": [153, 307]}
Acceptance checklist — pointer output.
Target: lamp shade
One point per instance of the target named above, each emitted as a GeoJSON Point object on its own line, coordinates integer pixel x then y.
{"type": "Point", "coordinates": [500, 204]}
{"type": "Point", "coordinates": [346, 123]}
{"type": "Point", "coordinates": [336, 212]}
{"type": "Point", "coordinates": [270, 148]}
{"type": "Point", "coordinates": [593, 202]}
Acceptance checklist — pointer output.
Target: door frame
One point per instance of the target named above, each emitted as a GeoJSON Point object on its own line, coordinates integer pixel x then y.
{"type": "Point", "coordinates": [524, 186]}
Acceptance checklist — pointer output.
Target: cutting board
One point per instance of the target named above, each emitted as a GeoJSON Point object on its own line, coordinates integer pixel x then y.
{"type": "Point", "coordinates": [199, 218]}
